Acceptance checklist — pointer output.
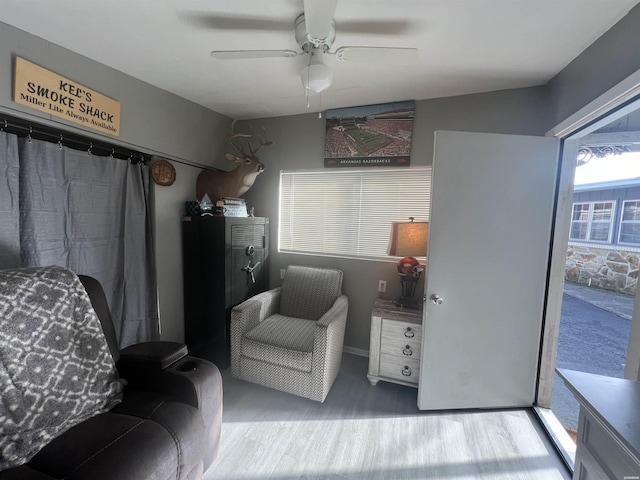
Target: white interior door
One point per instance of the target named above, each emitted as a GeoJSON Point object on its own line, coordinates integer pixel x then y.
{"type": "Point", "coordinates": [490, 230]}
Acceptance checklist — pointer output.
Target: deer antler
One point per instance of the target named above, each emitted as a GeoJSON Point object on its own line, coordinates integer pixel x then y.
{"type": "Point", "coordinates": [266, 142]}
{"type": "Point", "coordinates": [231, 135]}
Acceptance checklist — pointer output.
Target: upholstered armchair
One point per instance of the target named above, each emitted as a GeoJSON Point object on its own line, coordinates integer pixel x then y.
{"type": "Point", "coordinates": [290, 338]}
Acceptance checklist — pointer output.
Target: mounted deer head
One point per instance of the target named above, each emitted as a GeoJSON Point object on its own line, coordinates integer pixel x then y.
{"type": "Point", "coordinates": [236, 182]}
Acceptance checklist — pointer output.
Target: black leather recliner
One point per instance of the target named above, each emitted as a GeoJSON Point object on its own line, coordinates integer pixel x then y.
{"type": "Point", "coordinates": [167, 426]}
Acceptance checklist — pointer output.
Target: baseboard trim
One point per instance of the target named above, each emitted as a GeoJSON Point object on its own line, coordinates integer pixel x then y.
{"type": "Point", "coordinates": [355, 351]}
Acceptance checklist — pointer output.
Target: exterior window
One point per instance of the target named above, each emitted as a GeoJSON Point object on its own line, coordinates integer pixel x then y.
{"type": "Point", "coordinates": [592, 221]}
{"type": "Point", "coordinates": [630, 224]}
{"type": "Point", "coordinates": [348, 212]}
{"type": "Point", "coordinates": [579, 221]}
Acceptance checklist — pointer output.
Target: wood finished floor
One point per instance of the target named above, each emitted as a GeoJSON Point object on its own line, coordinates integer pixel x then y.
{"type": "Point", "coordinates": [366, 432]}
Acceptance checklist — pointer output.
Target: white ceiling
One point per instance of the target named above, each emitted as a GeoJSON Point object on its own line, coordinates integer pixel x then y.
{"type": "Point", "coordinates": [465, 46]}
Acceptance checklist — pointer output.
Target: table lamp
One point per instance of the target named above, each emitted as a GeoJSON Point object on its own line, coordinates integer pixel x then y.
{"type": "Point", "coordinates": [408, 240]}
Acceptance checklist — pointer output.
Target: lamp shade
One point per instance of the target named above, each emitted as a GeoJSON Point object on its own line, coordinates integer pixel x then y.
{"type": "Point", "coordinates": [409, 239]}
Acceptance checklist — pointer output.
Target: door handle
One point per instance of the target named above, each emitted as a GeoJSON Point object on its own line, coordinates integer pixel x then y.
{"type": "Point", "coordinates": [436, 299]}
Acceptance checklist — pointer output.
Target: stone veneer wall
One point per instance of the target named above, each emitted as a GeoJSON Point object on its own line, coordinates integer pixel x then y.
{"type": "Point", "coordinates": [609, 267]}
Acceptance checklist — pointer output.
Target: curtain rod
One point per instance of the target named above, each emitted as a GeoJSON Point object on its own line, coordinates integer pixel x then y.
{"type": "Point", "coordinates": [28, 129]}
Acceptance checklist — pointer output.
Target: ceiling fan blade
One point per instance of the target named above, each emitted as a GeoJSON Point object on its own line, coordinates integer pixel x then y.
{"type": "Point", "coordinates": [236, 22]}
{"type": "Point", "coordinates": [243, 54]}
{"type": "Point", "coordinates": [379, 27]}
{"type": "Point", "coordinates": [318, 16]}
{"type": "Point", "coordinates": [387, 55]}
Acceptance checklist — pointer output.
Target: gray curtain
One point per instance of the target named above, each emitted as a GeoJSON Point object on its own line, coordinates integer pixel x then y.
{"type": "Point", "coordinates": [92, 215]}
{"type": "Point", "coordinates": [9, 198]}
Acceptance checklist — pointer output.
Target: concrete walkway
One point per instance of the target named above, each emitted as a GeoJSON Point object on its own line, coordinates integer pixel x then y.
{"type": "Point", "coordinates": [614, 302]}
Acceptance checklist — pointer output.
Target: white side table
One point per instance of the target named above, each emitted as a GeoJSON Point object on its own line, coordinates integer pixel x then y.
{"type": "Point", "coordinates": [394, 348]}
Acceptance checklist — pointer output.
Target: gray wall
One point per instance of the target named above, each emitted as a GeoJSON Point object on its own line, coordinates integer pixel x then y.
{"type": "Point", "coordinates": [153, 120]}
{"type": "Point", "coordinates": [608, 61]}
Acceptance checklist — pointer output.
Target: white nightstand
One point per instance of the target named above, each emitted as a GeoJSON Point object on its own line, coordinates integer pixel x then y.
{"type": "Point", "coordinates": [394, 349]}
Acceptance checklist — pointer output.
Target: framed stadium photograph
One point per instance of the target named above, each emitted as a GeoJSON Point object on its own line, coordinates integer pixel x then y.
{"type": "Point", "coordinates": [370, 136]}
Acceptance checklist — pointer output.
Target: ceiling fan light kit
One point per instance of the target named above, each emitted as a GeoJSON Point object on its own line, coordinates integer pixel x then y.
{"type": "Point", "coordinates": [317, 76]}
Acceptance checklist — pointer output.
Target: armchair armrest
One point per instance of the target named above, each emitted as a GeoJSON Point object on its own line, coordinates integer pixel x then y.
{"type": "Point", "coordinates": [329, 330]}
{"type": "Point", "coordinates": [328, 339]}
{"type": "Point", "coordinates": [248, 315]}
{"type": "Point", "coordinates": [335, 313]}
{"type": "Point", "coordinates": [166, 368]}
{"type": "Point", "coordinates": [152, 354]}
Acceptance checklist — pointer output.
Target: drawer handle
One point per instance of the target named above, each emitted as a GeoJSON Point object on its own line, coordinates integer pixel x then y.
{"type": "Point", "coordinates": [406, 371]}
{"type": "Point", "coordinates": [407, 351]}
{"type": "Point", "coordinates": [409, 333]}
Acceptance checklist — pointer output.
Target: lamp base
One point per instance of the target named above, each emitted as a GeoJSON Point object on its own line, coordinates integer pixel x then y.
{"type": "Point", "coordinates": [408, 302]}
{"type": "Point", "coordinates": [409, 269]}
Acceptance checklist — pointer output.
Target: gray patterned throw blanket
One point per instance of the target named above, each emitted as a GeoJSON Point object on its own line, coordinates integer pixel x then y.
{"type": "Point", "coordinates": [55, 366]}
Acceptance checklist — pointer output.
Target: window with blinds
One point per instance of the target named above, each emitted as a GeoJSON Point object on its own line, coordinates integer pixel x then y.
{"type": "Point", "coordinates": [348, 213]}
{"type": "Point", "coordinates": [592, 221]}
{"type": "Point", "coordinates": [630, 223]}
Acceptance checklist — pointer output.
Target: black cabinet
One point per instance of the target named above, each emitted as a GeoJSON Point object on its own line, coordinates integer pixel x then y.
{"type": "Point", "coordinates": [225, 262]}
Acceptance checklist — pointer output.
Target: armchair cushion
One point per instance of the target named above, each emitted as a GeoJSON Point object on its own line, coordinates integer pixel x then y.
{"type": "Point", "coordinates": [282, 340]}
{"type": "Point", "coordinates": [309, 292]}
{"type": "Point", "coordinates": [141, 432]}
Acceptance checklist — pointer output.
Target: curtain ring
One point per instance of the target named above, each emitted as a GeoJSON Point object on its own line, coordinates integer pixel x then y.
{"type": "Point", "coordinates": [29, 136]}
{"type": "Point", "coordinates": [60, 142]}
{"type": "Point", "coordinates": [90, 147]}
{"type": "Point", "coordinates": [113, 151]}
{"type": "Point", "coordinates": [130, 159]}
{"type": "Point", "coordinates": [5, 126]}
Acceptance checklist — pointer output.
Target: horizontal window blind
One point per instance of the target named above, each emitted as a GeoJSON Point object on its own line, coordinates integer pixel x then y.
{"type": "Point", "coordinates": [349, 212]}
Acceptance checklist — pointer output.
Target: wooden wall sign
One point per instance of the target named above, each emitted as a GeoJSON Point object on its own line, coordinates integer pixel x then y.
{"type": "Point", "coordinates": [44, 90]}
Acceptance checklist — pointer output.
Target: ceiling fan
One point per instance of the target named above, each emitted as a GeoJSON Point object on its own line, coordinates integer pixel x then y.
{"type": "Point", "coordinates": [315, 32]}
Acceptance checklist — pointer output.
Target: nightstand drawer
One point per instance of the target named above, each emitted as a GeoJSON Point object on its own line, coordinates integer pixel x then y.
{"type": "Point", "coordinates": [401, 330]}
{"type": "Point", "coordinates": [400, 348]}
{"type": "Point", "coordinates": [403, 369]}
